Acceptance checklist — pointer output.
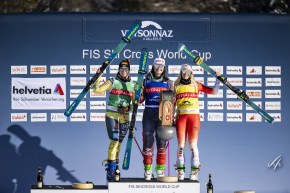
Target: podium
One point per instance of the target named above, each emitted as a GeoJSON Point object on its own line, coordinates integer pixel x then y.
{"type": "Point", "coordinates": [139, 185]}
{"type": "Point", "coordinates": [128, 185]}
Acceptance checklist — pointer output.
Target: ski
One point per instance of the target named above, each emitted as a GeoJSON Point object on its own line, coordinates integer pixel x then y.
{"type": "Point", "coordinates": [241, 94]}
{"type": "Point", "coordinates": [125, 40]}
{"type": "Point", "coordinates": [141, 74]}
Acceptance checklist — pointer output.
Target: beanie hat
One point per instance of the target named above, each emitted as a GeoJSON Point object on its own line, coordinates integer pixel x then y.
{"type": "Point", "coordinates": [125, 63]}
{"type": "Point", "coordinates": [159, 61]}
{"type": "Point", "coordinates": [185, 67]}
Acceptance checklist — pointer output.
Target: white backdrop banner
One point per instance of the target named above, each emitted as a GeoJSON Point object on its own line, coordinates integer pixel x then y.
{"type": "Point", "coordinates": [38, 93]}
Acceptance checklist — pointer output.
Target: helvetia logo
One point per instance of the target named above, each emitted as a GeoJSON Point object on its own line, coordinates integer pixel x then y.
{"type": "Point", "coordinates": [156, 34]}
{"type": "Point", "coordinates": [58, 90]}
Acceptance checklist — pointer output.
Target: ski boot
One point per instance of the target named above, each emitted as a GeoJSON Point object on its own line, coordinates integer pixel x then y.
{"type": "Point", "coordinates": [111, 168]}
{"type": "Point", "coordinates": [180, 171]}
{"type": "Point", "coordinates": [160, 170]}
{"type": "Point", "coordinates": [148, 172]}
{"type": "Point", "coordinates": [194, 173]}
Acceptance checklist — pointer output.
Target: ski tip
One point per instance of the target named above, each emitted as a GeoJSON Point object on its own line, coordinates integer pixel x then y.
{"type": "Point", "coordinates": [138, 21]}
{"type": "Point", "coordinates": [67, 114]}
{"type": "Point", "coordinates": [144, 50]}
{"type": "Point", "coordinates": [125, 167]}
{"type": "Point", "coordinates": [181, 46]}
{"type": "Point", "coordinates": [271, 120]}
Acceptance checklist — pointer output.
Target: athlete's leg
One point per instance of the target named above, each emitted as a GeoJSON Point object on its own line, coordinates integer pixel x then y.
{"type": "Point", "coordinates": [193, 129]}
{"type": "Point", "coordinates": [148, 124]}
{"type": "Point", "coordinates": [181, 139]}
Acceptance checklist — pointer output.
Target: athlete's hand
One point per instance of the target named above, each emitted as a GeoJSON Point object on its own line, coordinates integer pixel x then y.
{"type": "Point", "coordinates": [217, 73]}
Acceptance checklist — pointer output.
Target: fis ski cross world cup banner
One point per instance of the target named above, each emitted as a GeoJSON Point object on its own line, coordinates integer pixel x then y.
{"type": "Point", "coordinates": [38, 93]}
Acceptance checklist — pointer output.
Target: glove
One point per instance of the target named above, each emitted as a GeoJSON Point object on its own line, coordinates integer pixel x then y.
{"type": "Point", "coordinates": [123, 110]}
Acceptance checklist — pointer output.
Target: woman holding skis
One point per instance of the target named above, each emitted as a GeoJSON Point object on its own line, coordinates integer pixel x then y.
{"type": "Point", "coordinates": [188, 118]}
{"type": "Point", "coordinates": [117, 114]}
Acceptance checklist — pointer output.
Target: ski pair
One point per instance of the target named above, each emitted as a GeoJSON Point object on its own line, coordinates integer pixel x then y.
{"type": "Point", "coordinates": [125, 40]}
{"type": "Point", "coordinates": [241, 94]}
{"type": "Point", "coordinates": [141, 74]}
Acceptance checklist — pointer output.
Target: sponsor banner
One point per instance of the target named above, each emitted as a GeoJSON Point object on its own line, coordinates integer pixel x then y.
{"type": "Point", "coordinates": [38, 93]}
{"type": "Point", "coordinates": [78, 81]}
{"type": "Point", "coordinates": [273, 81]}
{"type": "Point", "coordinates": [58, 117]}
{"type": "Point", "coordinates": [18, 69]}
{"type": "Point", "coordinates": [231, 94]}
{"type": "Point", "coordinates": [38, 117]}
{"type": "Point", "coordinates": [234, 70]}
{"type": "Point", "coordinates": [254, 82]}
{"type": "Point", "coordinates": [258, 103]}
{"type": "Point", "coordinates": [201, 104]}
{"type": "Point", "coordinates": [272, 105]}
{"type": "Point", "coordinates": [81, 106]}
{"type": "Point", "coordinates": [151, 31]}
{"type": "Point", "coordinates": [215, 105]}
{"type": "Point", "coordinates": [253, 117]}
{"type": "Point", "coordinates": [114, 69]}
{"type": "Point", "coordinates": [139, 116]}
{"type": "Point", "coordinates": [201, 115]}
{"type": "Point", "coordinates": [197, 70]}
{"type": "Point", "coordinates": [199, 79]}
{"type": "Point", "coordinates": [174, 69]}
{"type": "Point", "coordinates": [93, 69]}
{"type": "Point", "coordinates": [135, 78]}
{"type": "Point", "coordinates": [219, 69]}
{"type": "Point", "coordinates": [97, 95]}
{"type": "Point", "coordinates": [234, 117]}
{"type": "Point", "coordinates": [74, 93]}
{"type": "Point", "coordinates": [211, 81]}
{"type": "Point", "coordinates": [235, 81]}
{"type": "Point", "coordinates": [134, 69]}
{"type": "Point", "coordinates": [78, 69]}
{"type": "Point", "coordinates": [220, 94]}
{"type": "Point", "coordinates": [254, 94]}
{"type": "Point", "coordinates": [78, 117]}
{"type": "Point", "coordinates": [276, 116]}
{"type": "Point", "coordinates": [234, 105]}
{"type": "Point", "coordinates": [215, 116]}
{"type": "Point", "coordinates": [254, 70]}
{"type": "Point", "coordinates": [61, 69]}
{"type": "Point", "coordinates": [39, 69]}
{"type": "Point", "coordinates": [273, 70]}
{"type": "Point", "coordinates": [98, 105]}
{"type": "Point", "coordinates": [97, 117]}
{"type": "Point", "coordinates": [18, 117]}
{"type": "Point", "coordinates": [273, 94]}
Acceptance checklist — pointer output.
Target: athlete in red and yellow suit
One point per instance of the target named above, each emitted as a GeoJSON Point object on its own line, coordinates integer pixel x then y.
{"type": "Point", "coordinates": [188, 119]}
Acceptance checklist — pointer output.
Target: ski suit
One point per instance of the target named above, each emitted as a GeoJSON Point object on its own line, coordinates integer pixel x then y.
{"type": "Point", "coordinates": [188, 118]}
{"type": "Point", "coordinates": [150, 122]}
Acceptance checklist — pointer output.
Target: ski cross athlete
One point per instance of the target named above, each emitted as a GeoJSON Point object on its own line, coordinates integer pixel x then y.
{"type": "Point", "coordinates": [188, 118]}
{"type": "Point", "coordinates": [117, 114]}
{"type": "Point", "coordinates": [155, 81]}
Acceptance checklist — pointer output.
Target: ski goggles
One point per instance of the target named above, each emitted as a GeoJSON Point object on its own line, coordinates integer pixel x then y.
{"type": "Point", "coordinates": [186, 71]}
{"type": "Point", "coordinates": [124, 69]}
{"type": "Point", "coordinates": [158, 66]}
